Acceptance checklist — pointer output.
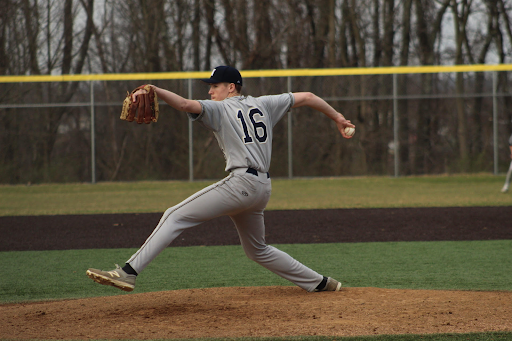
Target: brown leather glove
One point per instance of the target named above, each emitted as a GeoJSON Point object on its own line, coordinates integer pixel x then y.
{"type": "Point", "coordinates": [144, 108]}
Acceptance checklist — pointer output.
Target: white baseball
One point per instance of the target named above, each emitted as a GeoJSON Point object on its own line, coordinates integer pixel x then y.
{"type": "Point", "coordinates": [349, 131]}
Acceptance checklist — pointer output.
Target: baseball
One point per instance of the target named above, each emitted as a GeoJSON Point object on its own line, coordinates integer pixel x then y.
{"type": "Point", "coordinates": [349, 131]}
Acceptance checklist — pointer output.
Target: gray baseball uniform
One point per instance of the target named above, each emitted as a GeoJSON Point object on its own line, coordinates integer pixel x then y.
{"type": "Point", "coordinates": [243, 128]}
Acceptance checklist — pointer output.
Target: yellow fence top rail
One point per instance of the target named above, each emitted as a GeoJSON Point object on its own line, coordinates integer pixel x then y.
{"type": "Point", "coordinates": [260, 73]}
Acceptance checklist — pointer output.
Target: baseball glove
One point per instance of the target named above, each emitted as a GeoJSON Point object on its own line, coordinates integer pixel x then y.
{"type": "Point", "coordinates": [146, 105]}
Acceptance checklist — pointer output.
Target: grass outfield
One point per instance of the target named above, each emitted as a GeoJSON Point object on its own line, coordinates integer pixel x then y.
{"type": "Point", "coordinates": [357, 192]}
{"type": "Point", "coordinates": [465, 265]}
{"type": "Point", "coordinates": [469, 265]}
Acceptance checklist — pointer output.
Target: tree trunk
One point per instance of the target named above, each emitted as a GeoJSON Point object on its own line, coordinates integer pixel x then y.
{"type": "Point", "coordinates": [460, 21]}
{"type": "Point", "coordinates": [403, 112]}
{"type": "Point", "coordinates": [428, 27]}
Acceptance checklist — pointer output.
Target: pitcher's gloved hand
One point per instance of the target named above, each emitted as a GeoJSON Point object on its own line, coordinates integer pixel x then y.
{"type": "Point", "coordinates": [141, 103]}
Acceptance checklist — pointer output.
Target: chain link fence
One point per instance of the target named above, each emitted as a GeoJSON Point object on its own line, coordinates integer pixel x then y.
{"type": "Point", "coordinates": [410, 121]}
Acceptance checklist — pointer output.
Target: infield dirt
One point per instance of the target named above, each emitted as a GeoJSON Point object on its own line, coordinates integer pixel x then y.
{"type": "Point", "coordinates": [261, 311]}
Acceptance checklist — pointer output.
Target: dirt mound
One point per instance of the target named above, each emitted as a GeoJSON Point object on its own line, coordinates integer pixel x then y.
{"type": "Point", "coordinates": [259, 311]}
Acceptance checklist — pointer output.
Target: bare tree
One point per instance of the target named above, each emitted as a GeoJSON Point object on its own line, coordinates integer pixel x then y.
{"type": "Point", "coordinates": [209, 8]}
{"type": "Point", "coordinates": [120, 36]}
{"type": "Point", "coordinates": [477, 50]}
{"type": "Point", "coordinates": [505, 13]}
{"type": "Point", "coordinates": [460, 20]}
{"type": "Point", "coordinates": [404, 53]}
{"type": "Point", "coordinates": [429, 18]}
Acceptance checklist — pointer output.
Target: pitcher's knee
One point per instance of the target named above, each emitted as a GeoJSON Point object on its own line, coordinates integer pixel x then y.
{"type": "Point", "coordinates": [173, 216]}
{"type": "Point", "coordinates": [259, 255]}
{"type": "Point", "coordinates": [174, 221]}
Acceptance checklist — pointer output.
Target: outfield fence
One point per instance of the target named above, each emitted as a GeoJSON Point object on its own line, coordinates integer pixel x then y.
{"type": "Point", "coordinates": [410, 120]}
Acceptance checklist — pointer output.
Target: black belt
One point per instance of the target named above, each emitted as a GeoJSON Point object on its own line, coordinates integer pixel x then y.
{"type": "Point", "coordinates": [255, 172]}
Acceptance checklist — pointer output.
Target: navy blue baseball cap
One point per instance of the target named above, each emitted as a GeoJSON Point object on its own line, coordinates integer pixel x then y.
{"type": "Point", "coordinates": [224, 74]}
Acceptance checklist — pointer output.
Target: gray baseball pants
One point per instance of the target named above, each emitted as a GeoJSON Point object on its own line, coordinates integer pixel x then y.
{"type": "Point", "coordinates": [243, 197]}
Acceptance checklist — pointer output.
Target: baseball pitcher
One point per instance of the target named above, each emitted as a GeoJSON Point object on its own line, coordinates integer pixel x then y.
{"type": "Point", "coordinates": [243, 127]}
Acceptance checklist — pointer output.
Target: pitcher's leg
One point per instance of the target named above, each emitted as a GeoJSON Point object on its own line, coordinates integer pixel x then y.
{"type": "Point", "coordinates": [209, 203]}
{"type": "Point", "coordinates": [251, 230]}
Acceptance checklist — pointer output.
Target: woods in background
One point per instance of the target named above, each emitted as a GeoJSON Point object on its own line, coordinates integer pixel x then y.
{"type": "Point", "coordinates": [437, 134]}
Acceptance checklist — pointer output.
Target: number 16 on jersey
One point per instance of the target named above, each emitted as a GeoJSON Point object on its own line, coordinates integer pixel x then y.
{"type": "Point", "coordinates": [259, 129]}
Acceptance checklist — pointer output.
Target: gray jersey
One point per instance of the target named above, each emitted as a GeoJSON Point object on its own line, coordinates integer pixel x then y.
{"type": "Point", "coordinates": [243, 127]}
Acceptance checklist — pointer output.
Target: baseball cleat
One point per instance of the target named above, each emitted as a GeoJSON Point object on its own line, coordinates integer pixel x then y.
{"type": "Point", "coordinates": [116, 278]}
{"type": "Point", "coordinates": [332, 285]}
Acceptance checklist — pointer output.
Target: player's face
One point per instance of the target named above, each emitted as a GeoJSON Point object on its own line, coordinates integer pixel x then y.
{"type": "Point", "coordinates": [219, 91]}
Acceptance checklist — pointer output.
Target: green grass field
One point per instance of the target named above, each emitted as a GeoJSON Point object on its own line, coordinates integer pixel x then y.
{"type": "Point", "coordinates": [475, 265]}
{"type": "Point", "coordinates": [468, 265]}
{"type": "Point", "coordinates": [367, 192]}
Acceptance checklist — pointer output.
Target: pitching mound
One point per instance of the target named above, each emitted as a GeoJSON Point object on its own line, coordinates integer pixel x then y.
{"type": "Point", "coordinates": [259, 311]}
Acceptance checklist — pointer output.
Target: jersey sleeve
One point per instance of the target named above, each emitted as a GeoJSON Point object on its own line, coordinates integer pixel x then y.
{"type": "Point", "coordinates": [210, 115]}
{"type": "Point", "coordinates": [277, 105]}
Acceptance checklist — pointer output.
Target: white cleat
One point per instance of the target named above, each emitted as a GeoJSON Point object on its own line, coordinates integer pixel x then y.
{"type": "Point", "coordinates": [116, 278]}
